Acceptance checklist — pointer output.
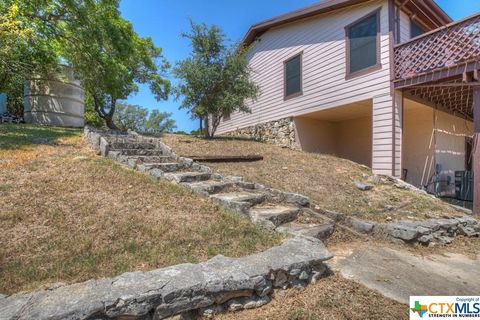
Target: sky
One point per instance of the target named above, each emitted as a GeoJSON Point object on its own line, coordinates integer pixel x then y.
{"type": "Point", "coordinates": [165, 20]}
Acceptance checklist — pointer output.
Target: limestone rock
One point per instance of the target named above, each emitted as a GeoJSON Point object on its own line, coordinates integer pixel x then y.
{"type": "Point", "coordinates": [272, 216]}
{"type": "Point", "coordinates": [361, 226]}
{"type": "Point", "coordinates": [403, 232]}
{"type": "Point", "coordinates": [289, 197]}
{"type": "Point", "coordinates": [248, 303]}
{"type": "Point", "coordinates": [468, 231]}
{"type": "Point", "coordinates": [172, 290]}
{"type": "Point", "coordinates": [318, 231]}
{"type": "Point", "coordinates": [362, 186]}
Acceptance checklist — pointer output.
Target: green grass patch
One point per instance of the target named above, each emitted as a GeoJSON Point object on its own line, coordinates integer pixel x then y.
{"type": "Point", "coordinates": [15, 136]}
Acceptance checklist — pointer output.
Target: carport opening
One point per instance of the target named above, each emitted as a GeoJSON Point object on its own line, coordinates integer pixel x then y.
{"type": "Point", "coordinates": [437, 151]}
{"type": "Point", "coordinates": [344, 131]}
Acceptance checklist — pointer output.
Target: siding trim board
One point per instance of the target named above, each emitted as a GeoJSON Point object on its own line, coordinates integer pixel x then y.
{"type": "Point", "coordinates": [391, 35]}
{"type": "Point", "coordinates": [378, 44]}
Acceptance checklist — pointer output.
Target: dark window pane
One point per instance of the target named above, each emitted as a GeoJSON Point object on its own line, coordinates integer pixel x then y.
{"type": "Point", "coordinates": [363, 44]}
{"type": "Point", "coordinates": [415, 30]}
{"type": "Point", "coordinates": [293, 76]}
{"type": "Point", "coordinates": [226, 116]}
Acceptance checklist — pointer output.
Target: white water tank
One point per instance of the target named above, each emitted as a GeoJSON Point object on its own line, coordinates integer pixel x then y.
{"type": "Point", "coordinates": [56, 101]}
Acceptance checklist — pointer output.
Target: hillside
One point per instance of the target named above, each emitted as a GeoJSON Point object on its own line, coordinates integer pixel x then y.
{"type": "Point", "coordinates": [328, 180]}
{"type": "Point", "coordinates": [68, 215]}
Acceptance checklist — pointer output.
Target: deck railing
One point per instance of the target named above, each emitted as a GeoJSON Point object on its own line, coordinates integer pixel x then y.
{"type": "Point", "coordinates": [445, 47]}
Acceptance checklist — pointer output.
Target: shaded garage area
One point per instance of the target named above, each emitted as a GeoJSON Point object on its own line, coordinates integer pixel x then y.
{"type": "Point", "coordinates": [437, 146]}
{"type": "Point", "coordinates": [344, 131]}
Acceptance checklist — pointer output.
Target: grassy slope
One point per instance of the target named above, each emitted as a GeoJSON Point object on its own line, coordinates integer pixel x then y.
{"type": "Point", "coordinates": [327, 179]}
{"type": "Point", "coordinates": [69, 215]}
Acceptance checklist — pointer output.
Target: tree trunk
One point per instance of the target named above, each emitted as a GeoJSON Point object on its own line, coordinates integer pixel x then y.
{"type": "Point", "coordinates": [207, 128]}
{"type": "Point", "coordinates": [201, 125]}
{"type": "Point", "coordinates": [106, 116]}
{"type": "Point", "coordinates": [109, 122]}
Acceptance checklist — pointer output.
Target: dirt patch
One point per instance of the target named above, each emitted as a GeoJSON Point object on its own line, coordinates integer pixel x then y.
{"type": "Point", "coordinates": [330, 298]}
{"type": "Point", "coordinates": [326, 179]}
{"type": "Point", "coordinates": [67, 215]}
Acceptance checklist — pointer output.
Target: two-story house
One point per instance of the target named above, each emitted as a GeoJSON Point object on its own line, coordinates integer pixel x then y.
{"type": "Point", "coordinates": [392, 84]}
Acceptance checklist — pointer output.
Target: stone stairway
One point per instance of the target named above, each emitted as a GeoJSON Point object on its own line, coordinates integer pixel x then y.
{"type": "Point", "coordinates": [271, 209]}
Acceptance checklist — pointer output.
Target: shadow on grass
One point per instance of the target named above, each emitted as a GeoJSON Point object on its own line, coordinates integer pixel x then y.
{"type": "Point", "coordinates": [15, 136]}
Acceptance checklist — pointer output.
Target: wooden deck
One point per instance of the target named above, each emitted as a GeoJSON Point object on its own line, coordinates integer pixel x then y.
{"type": "Point", "coordinates": [442, 53]}
{"type": "Point", "coordinates": [441, 69]}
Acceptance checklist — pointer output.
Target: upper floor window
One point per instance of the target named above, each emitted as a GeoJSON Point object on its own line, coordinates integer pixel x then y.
{"type": "Point", "coordinates": [363, 45]}
{"type": "Point", "coordinates": [415, 29]}
{"type": "Point", "coordinates": [293, 77]}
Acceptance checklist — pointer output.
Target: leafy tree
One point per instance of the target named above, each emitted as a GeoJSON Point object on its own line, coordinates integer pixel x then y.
{"type": "Point", "coordinates": [159, 122]}
{"type": "Point", "coordinates": [130, 117]}
{"type": "Point", "coordinates": [25, 48]}
{"type": "Point", "coordinates": [109, 57]}
{"type": "Point", "coordinates": [91, 116]}
{"type": "Point", "coordinates": [181, 132]}
{"type": "Point", "coordinates": [196, 132]}
{"type": "Point", "coordinates": [91, 36]}
{"type": "Point", "coordinates": [215, 78]}
{"type": "Point", "coordinates": [137, 118]}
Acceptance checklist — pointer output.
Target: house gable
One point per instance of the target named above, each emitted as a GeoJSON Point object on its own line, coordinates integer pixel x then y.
{"type": "Point", "coordinates": [322, 40]}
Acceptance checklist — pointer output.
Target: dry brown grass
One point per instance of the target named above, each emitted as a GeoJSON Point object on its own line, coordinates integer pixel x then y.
{"type": "Point", "coordinates": [326, 179]}
{"type": "Point", "coordinates": [68, 215]}
{"type": "Point", "coordinates": [330, 298]}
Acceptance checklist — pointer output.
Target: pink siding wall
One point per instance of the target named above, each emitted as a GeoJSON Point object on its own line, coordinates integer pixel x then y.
{"type": "Point", "coordinates": [322, 41]}
{"type": "Point", "coordinates": [387, 134]}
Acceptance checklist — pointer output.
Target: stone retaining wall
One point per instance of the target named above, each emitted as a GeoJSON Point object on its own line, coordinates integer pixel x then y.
{"type": "Point", "coordinates": [191, 290]}
{"type": "Point", "coordinates": [427, 232]}
{"type": "Point", "coordinates": [280, 132]}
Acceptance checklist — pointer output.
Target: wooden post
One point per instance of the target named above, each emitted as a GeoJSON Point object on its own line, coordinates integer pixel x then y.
{"type": "Point", "coordinates": [476, 151]}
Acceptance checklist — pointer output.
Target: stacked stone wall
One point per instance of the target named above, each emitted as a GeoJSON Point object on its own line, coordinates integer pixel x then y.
{"type": "Point", "coordinates": [280, 132]}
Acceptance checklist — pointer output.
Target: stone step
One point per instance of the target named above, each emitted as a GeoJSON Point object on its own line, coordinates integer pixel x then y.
{"type": "Point", "coordinates": [151, 159]}
{"type": "Point", "coordinates": [131, 145]}
{"type": "Point", "coordinates": [239, 202]}
{"type": "Point", "coordinates": [272, 216]}
{"type": "Point", "coordinates": [319, 231]}
{"type": "Point", "coordinates": [133, 161]}
{"type": "Point", "coordinates": [139, 152]}
{"type": "Point", "coordinates": [208, 187]}
{"type": "Point", "coordinates": [241, 196]}
{"type": "Point", "coordinates": [165, 166]}
{"type": "Point", "coordinates": [180, 177]}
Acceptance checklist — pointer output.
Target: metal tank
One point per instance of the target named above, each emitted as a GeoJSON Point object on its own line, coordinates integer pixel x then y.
{"type": "Point", "coordinates": [55, 101]}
